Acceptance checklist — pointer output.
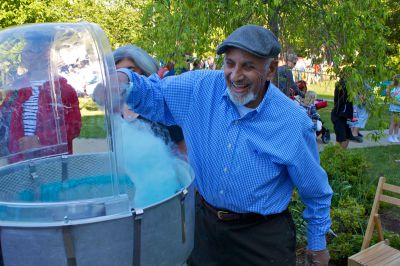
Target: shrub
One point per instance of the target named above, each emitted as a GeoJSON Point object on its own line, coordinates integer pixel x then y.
{"type": "Point", "coordinates": [394, 239]}
{"type": "Point", "coordinates": [296, 208]}
{"type": "Point", "coordinates": [347, 173]}
{"type": "Point", "coordinates": [343, 246]}
{"type": "Point", "coordinates": [348, 217]}
{"type": "Point", "coordinates": [88, 104]}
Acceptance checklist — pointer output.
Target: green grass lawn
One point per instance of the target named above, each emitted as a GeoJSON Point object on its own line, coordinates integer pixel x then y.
{"type": "Point", "coordinates": [93, 123]}
{"type": "Point", "coordinates": [93, 126]}
{"type": "Point", "coordinates": [324, 89]}
{"type": "Point", "coordinates": [382, 161]}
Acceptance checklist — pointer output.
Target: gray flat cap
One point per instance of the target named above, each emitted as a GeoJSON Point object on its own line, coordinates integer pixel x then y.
{"type": "Point", "coordinates": [254, 39]}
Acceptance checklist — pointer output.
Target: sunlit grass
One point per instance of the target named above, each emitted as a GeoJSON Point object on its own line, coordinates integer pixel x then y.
{"type": "Point", "coordinates": [93, 123]}
{"type": "Point", "coordinates": [324, 89]}
{"type": "Point", "coordinates": [383, 161]}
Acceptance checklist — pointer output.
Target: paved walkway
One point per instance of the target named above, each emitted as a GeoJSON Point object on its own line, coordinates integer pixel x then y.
{"type": "Point", "coordinates": [354, 145]}
{"type": "Point", "coordinates": [82, 145]}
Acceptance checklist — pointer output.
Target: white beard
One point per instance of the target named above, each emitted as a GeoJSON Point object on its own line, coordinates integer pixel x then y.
{"type": "Point", "coordinates": [242, 100]}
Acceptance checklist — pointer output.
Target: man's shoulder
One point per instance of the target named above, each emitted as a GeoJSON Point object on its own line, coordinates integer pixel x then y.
{"type": "Point", "coordinates": [205, 76]}
{"type": "Point", "coordinates": [209, 73]}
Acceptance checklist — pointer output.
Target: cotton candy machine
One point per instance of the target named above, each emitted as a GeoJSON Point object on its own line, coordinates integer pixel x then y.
{"type": "Point", "coordinates": [68, 194]}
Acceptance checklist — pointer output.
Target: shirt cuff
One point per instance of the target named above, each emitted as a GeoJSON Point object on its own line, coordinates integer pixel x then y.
{"type": "Point", "coordinates": [316, 243]}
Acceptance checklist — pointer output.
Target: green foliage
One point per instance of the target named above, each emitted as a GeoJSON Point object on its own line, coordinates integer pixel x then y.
{"type": "Point", "coordinates": [352, 33]}
{"type": "Point", "coordinates": [393, 20]}
{"type": "Point", "coordinates": [296, 208]}
{"type": "Point", "coordinates": [88, 104]}
{"type": "Point", "coordinates": [119, 18]}
{"type": "Point", "coordinates": [358, 33]}
{"type": "Point", "coordinates": [27, 11]}
{"type": "Point", "coordinates": [178, 27]}
{"type": "Point", "coordinates": [343, 246]}
{"type": "Point", "coordinates": [394, 239]}
{"type": "Point", "coordinates": [347, 171]}
{"type": "Point", "coordinates": [348, 216]}
{"type": "Point", "coordinates": [354, 190]}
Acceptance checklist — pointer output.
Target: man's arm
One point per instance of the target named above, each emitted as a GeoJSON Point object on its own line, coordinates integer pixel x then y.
{"type": "Point", "coordinates": [312, 182]}
{"type": "Point", "coordinates": [163, 100]}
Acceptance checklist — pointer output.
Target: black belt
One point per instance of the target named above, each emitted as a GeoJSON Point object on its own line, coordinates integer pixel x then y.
{"type": "Point", "coordinates": [225, 215]}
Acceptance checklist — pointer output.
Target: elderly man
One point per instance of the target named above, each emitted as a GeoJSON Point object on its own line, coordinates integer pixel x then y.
{"type": "Point", "coordinates": [237, 125]}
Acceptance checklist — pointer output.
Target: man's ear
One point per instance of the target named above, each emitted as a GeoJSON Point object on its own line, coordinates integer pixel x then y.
{"type": "Point", "coordinates": [272, 68]}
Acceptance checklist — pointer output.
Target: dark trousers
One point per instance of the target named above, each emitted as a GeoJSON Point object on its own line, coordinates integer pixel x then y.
{"type": "Point", "coordinates": [263, 241]}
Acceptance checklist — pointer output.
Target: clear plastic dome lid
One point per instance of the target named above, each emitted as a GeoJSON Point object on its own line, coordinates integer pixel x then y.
{"type": "Point", "coordinates": [44, 68]}
{"type": "Point", "coordinates": [53, 137]}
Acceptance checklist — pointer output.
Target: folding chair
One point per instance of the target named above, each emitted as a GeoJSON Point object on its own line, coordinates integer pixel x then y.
{"type": "Point", "coordinates": [380, 253]}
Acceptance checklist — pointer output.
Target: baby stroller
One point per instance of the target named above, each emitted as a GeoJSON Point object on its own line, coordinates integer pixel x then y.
{"type": "Point", "coordinates": [324, 132]}
{"type": "Point", "coordinates": [311, 104]}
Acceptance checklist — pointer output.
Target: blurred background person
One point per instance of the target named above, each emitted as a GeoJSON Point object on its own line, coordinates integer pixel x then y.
{"type": "Point", "coordinates": [394, 109]}
{"type": "Point", "coordinates": [300, 69]}
{"type": "Point", "coordinates": [210, 63]}
{"type": "Point", "coordinates": [30, 105]}
{"type": "Point", "coordinates": [342, 111]}
{"type": "Point", "coordinates": [139, 61]}
{"type": "Point", "coordinates": [285, 77]}
{"type": "Point", "coordinates": [360, 116]}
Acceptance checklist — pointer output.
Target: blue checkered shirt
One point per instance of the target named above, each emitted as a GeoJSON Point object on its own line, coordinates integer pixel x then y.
{"type": "Point", "coordinates": [243, 164]}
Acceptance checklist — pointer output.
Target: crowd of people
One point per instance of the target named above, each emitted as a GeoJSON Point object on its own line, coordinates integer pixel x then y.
{"type": "Point", "coordinates": [311, 70]}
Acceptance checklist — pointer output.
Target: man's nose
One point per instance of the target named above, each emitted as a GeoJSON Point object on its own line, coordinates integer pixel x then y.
{"type": "Point", "coordinates": [237, 73]}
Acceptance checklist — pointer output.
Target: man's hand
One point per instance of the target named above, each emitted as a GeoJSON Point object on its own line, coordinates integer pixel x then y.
{"type": "Point", "coordinates": [317, 258]}
{"type": "Point", "coordinates": [99, 94]}
{"type": "Point", "coordinates": [118, 90]}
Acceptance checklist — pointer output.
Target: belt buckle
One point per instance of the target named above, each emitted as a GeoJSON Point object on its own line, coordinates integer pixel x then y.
{"type": "Point", "coordinates": [220, 214]}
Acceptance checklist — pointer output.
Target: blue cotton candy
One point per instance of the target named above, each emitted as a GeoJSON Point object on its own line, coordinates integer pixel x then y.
{"type": "Point", "coordinates": [147, 160]}
{"type": "Point", "coordinates": [80, 188]}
